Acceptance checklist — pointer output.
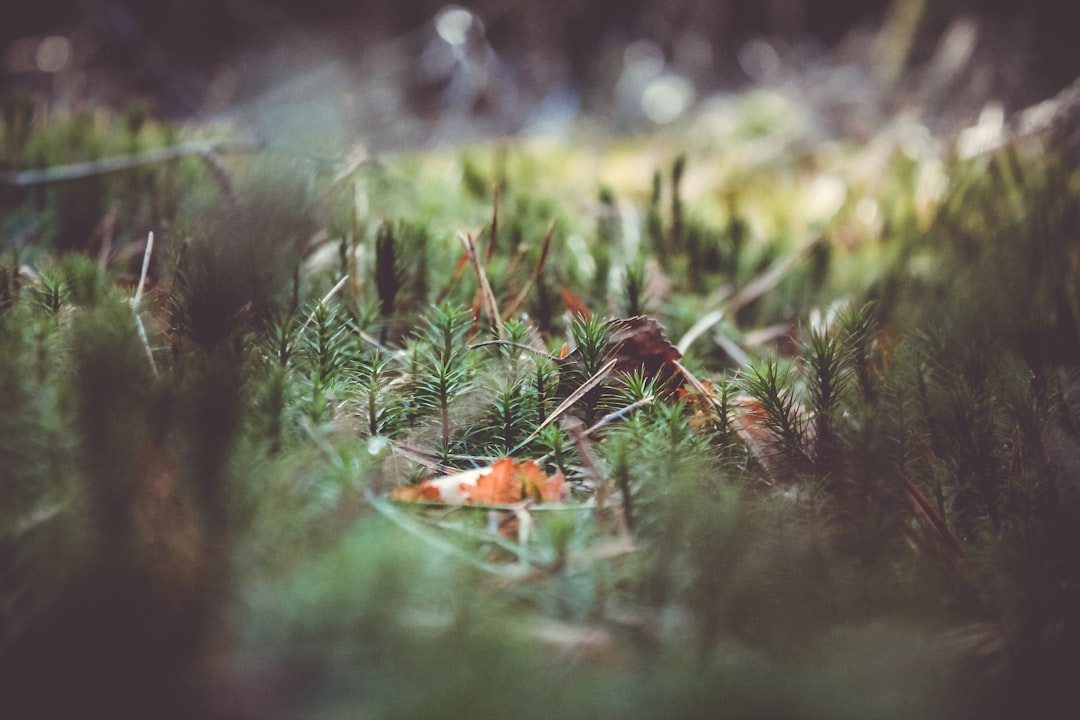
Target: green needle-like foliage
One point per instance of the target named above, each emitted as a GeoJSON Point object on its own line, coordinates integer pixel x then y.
{"type": "Point", "coordinates": [443, 374]}
{"type": "Point", "coordinates": [329, 343]}
{"type": "Point", "coordinates": [590, 334]}
{"type": "Point", "coordinates": [376, 404]}
{"type": "Point", "coordinates": [201, 498]}
{"type": "Point", "coordinates": [772, 384]}
{"type": "Point", "coordinates": [827, 372]}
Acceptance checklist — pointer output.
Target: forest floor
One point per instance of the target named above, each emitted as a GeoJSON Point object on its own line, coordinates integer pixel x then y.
{"type": "Point", "coordinates": [768, 406]}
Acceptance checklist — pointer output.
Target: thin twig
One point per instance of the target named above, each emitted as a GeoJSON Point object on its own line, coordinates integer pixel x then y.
{"type": "Point", "coordinates": [137, 300]}
{"type": "Point", "coordinates": [520, 298]}
{"type": "Point", "coordinates": [619, 414]}
{"type": "Point", "coordinates": [569, 402]}
{"type": "Point", "coordinates": [602, 483]}
{"type": "Point", "coordinates": [769, 279]}
{"type": "Point", "coordinates": [326, 299]}
{"type": "Point", "coordinates": [511, 343]}
{"type": "Point", "coordinates": [119, 163]}
{"type": "Point", "coordinates": [606, 420]}
{"type": "Point", "coordinates": [757, 287]}
{"type": "Point", "coordinates": [485, 288]}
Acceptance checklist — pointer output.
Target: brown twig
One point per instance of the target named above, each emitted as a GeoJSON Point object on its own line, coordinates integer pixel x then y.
{"type": "Point", "coordinates": [520, 298]}
{"type": "Point", "coordinates": [597, 378]}
{"type": "Point", "coordinates": [602, 483]}
{"type": "Point", "coordinates": [490, 305]}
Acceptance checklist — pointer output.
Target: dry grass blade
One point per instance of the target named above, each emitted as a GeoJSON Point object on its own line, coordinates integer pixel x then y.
{"type": "Point", "coordinates": [37, 518]}
{"type": "Point", "coordinates": [607, 420]}
{"type": "Point", "coordinates": [751, 291]}
{"type": "Point", "coordinates": [354, 238]}
{"type": "Point", "coordinates": [749, 423]}
{"type": "Point", "coordinates": [490, 306]}
{"type": "Point", "coordinates": [509, 343]}
{"type": "Point", "coordinates": [220, 175]}
{"type": "Point", "coordinates": [459, 268]}
{"type": "Point", "coordinates": [746, 423]}
{"type": "Point", "coordinates": [118, 163]}
{"type": "Point", "coordinates": [936, 528]}
{"type": "Point", "coordinates": [597, 378]}
{"type": "Point", "coordinates": [601, 482]}
{"type": "Point", "coordinates": [418, 530]}
{"type": "Point", "coordinates": [698, 329]}
{"type": "Point", "coordinates": [422, 459]}
{"type": "Point", "coordinates": [326, 298]}
{"type": "Point", "coordinates": [769, 279]}
{"type": "Point", "coordinates": [145, 268]}
{"type": "Point", "coordinates": [520, 298]}
{"type": "Point", "coordinates": [699, 387]}
{"type": "Point", "coordinates": [137, 300]}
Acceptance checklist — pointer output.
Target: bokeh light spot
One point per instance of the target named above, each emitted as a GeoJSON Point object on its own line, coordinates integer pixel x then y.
{"type": "Point", "coordinates": [453, 23]}
{"type": "Point", "coordinates": [53, 54]}
{"type": "Point", "coordinates": [666, 98]}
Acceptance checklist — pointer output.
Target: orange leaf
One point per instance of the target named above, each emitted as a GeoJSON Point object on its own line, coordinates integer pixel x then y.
{"type": "Point", "coordinates": [555, 489]}
{"type": "Point", "coordinates": [501, 486]}
{"type": "Point", "coordinates": [424, 491]}
{"type": "Point", "coordinates": [504, 483]}
{"type": "Point", "coordinates": [531, 480]}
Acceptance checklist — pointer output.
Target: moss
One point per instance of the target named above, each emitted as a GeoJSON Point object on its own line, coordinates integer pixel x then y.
{"type": "Point", "coordinates": [877, 445]}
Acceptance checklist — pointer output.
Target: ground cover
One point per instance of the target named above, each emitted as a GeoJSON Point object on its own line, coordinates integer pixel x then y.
{"type": "Point", "coordinates": [725, 421]}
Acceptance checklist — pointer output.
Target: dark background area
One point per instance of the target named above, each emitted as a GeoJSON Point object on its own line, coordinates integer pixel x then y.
{"type": "Point", "coordinates": [173, 51]}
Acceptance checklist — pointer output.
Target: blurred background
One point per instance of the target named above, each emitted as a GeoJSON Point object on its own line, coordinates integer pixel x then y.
{"type": "Point", "coordinates": [415, 72]}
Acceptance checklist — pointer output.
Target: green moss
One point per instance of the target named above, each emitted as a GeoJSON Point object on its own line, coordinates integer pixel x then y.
{"type": "Point", "coordinates": [885, 458]}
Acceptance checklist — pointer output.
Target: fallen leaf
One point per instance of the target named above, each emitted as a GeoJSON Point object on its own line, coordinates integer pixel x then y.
{"type": "Point", "coordinates": [416, 493]}
{"type": "Point", "coordinates": [640, 343]}
{"type": "Point", "coordinates": [554, 489]}
{"type": "Point", "coordinates": [504, 483]}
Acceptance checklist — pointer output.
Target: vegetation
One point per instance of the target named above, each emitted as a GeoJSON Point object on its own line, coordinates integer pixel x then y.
{"type": "Point", "coordinates": [847, 487]}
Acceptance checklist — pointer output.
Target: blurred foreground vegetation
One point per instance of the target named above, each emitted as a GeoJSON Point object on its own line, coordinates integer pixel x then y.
{"type": "Point", "coordinates": [864, 504]}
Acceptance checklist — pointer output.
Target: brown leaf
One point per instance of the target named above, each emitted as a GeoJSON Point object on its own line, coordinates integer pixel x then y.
{"type": "Point", "coordinates": [640, 343]}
